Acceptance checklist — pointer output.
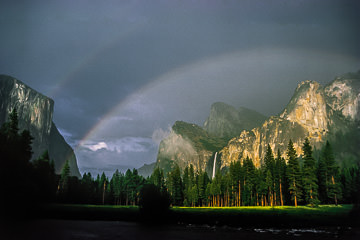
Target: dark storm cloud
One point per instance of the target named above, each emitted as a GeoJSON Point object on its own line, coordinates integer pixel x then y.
{"type": "Point", "coordinates": [91, 55]}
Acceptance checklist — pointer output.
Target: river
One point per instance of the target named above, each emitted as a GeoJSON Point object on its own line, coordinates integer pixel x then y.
{"type": "Point", "coordinates": [71, 229]}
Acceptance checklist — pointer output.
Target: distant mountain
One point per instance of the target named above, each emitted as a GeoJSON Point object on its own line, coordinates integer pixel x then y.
{"type": "Point", "coordinates": [227, 122]}
{"type": "Point", "coordinates": [146, 170]}
{"type": "Point", "coordinates": [188, 144]}
{"type": "Point", "coordinates": [317, 112]}
{"type": "Point", "coordinates": [35, 113]}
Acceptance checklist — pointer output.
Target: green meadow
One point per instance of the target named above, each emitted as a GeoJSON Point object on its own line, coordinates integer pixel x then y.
{"type": "Point", "coordinates": [269, 216]}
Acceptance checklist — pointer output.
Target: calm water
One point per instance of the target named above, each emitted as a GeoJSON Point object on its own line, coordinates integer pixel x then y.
{"type": "Point", "coordinates": [65, 229]}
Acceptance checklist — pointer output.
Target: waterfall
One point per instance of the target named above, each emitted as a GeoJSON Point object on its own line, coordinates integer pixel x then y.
{"type": "Point", "coordinates": [213, 175]}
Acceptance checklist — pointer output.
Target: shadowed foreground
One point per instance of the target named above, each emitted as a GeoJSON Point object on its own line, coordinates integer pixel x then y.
{"type": "Point", "coordinates": [116, 222]}
{"type": "Point", "coordinates": [285, 217]}
{"type": "Point", "coordinates": [71, 229]}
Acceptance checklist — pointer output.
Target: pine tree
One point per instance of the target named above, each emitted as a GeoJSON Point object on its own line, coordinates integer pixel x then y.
{"type": "Point", "coordinates": [87, 185]}
{"type": "Point", "coordinates": [63, 186]}
{"type": "Point", "coordinates": [280, 178]}
{"type": "Point", "coordinates": [175, 186]}
{"type": "Point", "coordinates": [269, 163]}
{"type": "Point", "coordinates": [44, 176]}
{"type": "Point", "coordinates": [309, 175]}
{"type": "Point", "coordinates": [236, 176]}
{"type": "Point", "coordinates": [249, 181]}
{"type": "Point", "coordinates": [269, 160]}
{"type": "Point", "coordinates": [269, 187]}
{"type": "Point", "coordinates": [157, 178]}
{"type": "Point", "coordinates": [116, 189]}
{"type": "Point", "coordinates": [321, 179]}
{"type": "Point", "coordinates": [202, 181]}
{"type": "Point", "coordinates": [14, 123]}
{"type": "Point", "coordinates": [129, 187]}
{"type": "Point", "coordinates": [189, 185]}
{"type": "Point", "coordinates": [293, 174]}
{"type": "Point", "coordinates": [332, 183]}
{"type": "Point", "coordinates": [103, 186]}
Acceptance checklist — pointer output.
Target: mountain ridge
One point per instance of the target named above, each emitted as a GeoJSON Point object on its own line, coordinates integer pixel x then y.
{"type": "Point", "coordinates": [314, 111]}
{"type": "Point", "coordinates": [226, 121]}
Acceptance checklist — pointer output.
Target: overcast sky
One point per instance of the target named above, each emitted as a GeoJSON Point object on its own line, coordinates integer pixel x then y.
{"type": "Point", "coordinates": [122, 72]}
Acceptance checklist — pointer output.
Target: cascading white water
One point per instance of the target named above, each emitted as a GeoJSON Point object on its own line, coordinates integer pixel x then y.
{"type": "Point", "coordinates": [213, 175]}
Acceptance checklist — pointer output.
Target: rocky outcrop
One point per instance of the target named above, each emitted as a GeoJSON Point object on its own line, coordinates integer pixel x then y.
{"type": "Point", "coordinates": [314, 112]}
{"type": "Point", "coordinates": [225, 121]}
{"type": "Point", "coordinates": [343, 95]}
{"type": "Point", "coordinates": [188, 144]}
{"type": "Point", "coordinates": [317, 112]}
{"type": "Point", "coordinates": [35, 112]}
{"type": "Point", "coordinates": [275, 131]}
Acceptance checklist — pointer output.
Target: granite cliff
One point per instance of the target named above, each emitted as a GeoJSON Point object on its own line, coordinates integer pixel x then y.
{"type": "Point", "coordinates": [191, 144]}
{"type": "Point", "coordinates": [314, 111]}
{"type": "Point", "coordinates": [188, 144]}
{"type": "Point", "coordinates": [225, 121]}
{"type": "Point", "coordinates": [35, 112]}
{"type": "Point", "coordinates": [318, 112]}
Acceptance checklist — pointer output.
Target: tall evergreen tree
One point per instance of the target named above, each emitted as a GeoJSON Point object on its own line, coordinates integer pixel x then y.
{"type": "Point", "coordinates": [321, 179]}
{"type": "Point", "coordinates": [269, 187]}
{"type": "Point", "coordinates": [293, 174]}
{"type": "Point", "coordinates": [269, 163]}
{"type": "Point", "coordinates": [45, 178]}
{"type": "Point", "coordinates": [249, 182]}
{"type": "Point", "coordinates": [309, 175]}
{"type": "Point", "coordinates": [202, 181]}
{"type": "Point", "coordinates": [116, 187]}
{"type": "Point", "coordinates": [103, 184]}
{"type": "Point", "coordinates": [280, 178]}
{"type": "Point", "coordinates": [235, 171]}
{"type": "Point", "coordinates": [175, 186]}
{"type": "Point", "coordinates": [64, 178]}
{"type": "Point", "coordinates": [269, 160]}
{"type": "Point", "coordinates": [157, 178]}
{"type": "Point", "coordinates": [332, 181]}
{"type": "Point", "coordinates": [88, 191]}
{"type": "Point", "coordinates": [13, 123]}
{"type": "Point", "coordinates": [15, 156]}
{"type": "Point", "coordinates": [190, 188]}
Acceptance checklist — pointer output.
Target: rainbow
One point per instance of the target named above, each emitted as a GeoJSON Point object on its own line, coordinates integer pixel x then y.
{"type": "Point", "coordinates": [201, 66]}
{"type": "Point", "coordinates": [173, 74]}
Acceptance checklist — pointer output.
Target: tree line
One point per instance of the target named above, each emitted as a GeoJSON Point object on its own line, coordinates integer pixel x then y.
{"type": "Point", "coordinates": [23, 182]}
{"type": "Point", "coordinates": [278, 182]}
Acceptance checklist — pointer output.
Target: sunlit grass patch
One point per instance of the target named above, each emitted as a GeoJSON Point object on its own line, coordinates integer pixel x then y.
{"type": "Point", "coordinates": [276, 210]}
{"type": "Point", "coordinates": [263, 216]}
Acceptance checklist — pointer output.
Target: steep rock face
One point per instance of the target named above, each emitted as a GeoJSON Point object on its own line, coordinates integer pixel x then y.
{"type": "Point", "coordinates": [35, 112]}
{"type": "Point", "coordinates": [225, 121]}
{"type": "Point", "coordinates": [60, 151]}
{"type": "Point", "coordinates": [314, 112]}
{"type": "Point", "coordinates": [343, 95]}
{"type": "Point", "coordinates": [319, 113]}
{"type": "Point", "coordinates": [188, 144]}
{"type": "Point", "coordinates": [308, 108]}
{"type": "Point", "coordinates": [275, 131]}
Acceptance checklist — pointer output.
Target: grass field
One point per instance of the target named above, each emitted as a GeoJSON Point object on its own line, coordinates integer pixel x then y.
{"type": "Point", "coordinates": [269, 216]}
{"type": "Point", "coordinates": [325, 215]}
